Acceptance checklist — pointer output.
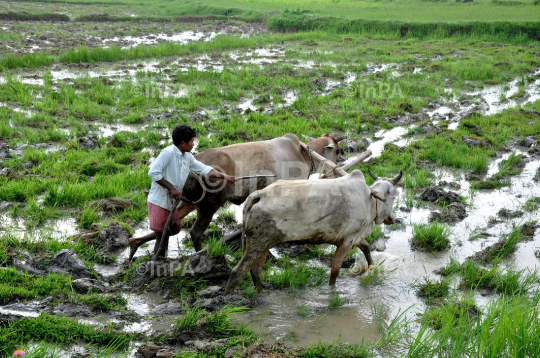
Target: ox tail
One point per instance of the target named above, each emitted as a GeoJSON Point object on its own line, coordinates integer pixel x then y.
{"type": "Point", "coordinates": [241, 269]}
{"type": "Point", "coordinates": [252, 200]}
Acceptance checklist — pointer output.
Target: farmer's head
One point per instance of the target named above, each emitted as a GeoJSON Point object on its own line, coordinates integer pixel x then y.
{"type": "Point", "coordinates": [183, 137]}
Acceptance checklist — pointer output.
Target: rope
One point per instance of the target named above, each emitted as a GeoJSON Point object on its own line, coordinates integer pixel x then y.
{"type": "Point", "coordinates": [311, 160]}
{"type": "Point", "coordinates": [203, 188]}
{"type": "Point", "coordinates": [328, 172]}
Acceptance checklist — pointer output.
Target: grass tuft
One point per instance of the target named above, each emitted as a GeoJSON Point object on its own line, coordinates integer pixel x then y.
{"type": "Point", "coordinates": [431, 237]}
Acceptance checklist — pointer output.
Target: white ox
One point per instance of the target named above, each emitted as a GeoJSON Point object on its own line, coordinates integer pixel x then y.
{"type": "Point", "coordinates": [340, 212]}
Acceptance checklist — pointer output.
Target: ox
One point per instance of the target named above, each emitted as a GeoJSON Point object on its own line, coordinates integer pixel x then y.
{"type": "Point", "coordinates": [281, 156]}
{"type": "Point", "coordinates": [340, 212]}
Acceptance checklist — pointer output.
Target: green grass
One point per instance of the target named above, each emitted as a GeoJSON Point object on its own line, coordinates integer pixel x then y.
{"type": "Point", "coordinates": [507, 281]}
{"type": "Point", "coordinates": [304, 310]}
{"type": "Point", "coordinates": [432, 290]}
{"type": "Point", "coordinates": [218, 324]}
{"type": "Point", "coordinates": [375, 234]}
{"type": "Point", "coordinates": [103, 302]}
{"type": "Point", "coordinates": [295, 276]}
{"type": "Point", "coordinates": [507, 328]}
{"type": "Point", "coordinates": [489, 184]}
{"type": "Point", "coordinates": [305, 20]}
{"type": "Point", "coordinates": [511, 166]}
{"type": "Point", "coordinates": [216, 249]}
{"type": "Point", "coordinates": [431, 237]}
{"type": "Point", "coordinates": [327, 12]}
{"type": "Point", "coordinates": [502, 249]}
{"type": "Point", "coordinates": [55, 329]}
{"type": "Point", "coordinates": [532, 204]}
{"type": "Point", "coordinates": [16, 285]}
{"type": "Point", "coordinates": [453, 313]}
{"type": "Point", "coordinates": [335, 350]}
{"type": "Point", "coordinates": [336, 300]}
{"type": "Point", "coordinates": [451, 268]}
{"type": "Point", "coordinates": [377, 275]}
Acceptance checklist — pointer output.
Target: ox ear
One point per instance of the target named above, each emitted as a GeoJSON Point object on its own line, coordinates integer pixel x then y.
{"type": "Point", "coordinates": [393, 192]}
{"type": "Point", "coordinates": [309, 139]}
{"type": "Point", "coordinates": [330, 144]}
{"type": "Point", "coordinates": [340, 138]}
{"type": "Point", "coordinates": [378, 196]}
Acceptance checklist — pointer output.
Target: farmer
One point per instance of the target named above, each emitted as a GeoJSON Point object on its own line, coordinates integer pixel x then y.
{"type": "Point", "coordinates": [169, 173]}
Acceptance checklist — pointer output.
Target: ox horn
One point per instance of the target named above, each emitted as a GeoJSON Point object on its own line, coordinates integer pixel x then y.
{"type": "Point", "coordinates": [340, 138]}
{"type": "Point", "coordinates": [378, 196]}
{"type": "Point", "coordinates": [309, 139]}
{"type": "Point", "coordinates": [372, 175]}
{"type": "Point", "coordinates": [397, 178]}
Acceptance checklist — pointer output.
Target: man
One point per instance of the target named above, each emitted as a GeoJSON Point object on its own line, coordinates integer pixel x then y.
{"type": "Point", "coordinates": [169, 173]}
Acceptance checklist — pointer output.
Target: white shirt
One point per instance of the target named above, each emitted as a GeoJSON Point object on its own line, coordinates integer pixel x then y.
{"type": "Point", "coordinates": [174, 167]}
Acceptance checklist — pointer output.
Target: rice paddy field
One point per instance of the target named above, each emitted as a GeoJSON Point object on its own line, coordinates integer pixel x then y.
{"type": "Point", "coordinates": [446, 91]}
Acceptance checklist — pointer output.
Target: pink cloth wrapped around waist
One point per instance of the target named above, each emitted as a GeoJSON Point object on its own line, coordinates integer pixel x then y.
{"type": "Point", "coordinates": [158, 217]}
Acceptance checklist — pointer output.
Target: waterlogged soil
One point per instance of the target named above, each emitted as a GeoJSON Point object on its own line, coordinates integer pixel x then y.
{"type": "Point", "coordinates": [55, 38]}
{"type": "Point", "coordinates": [302, 316]}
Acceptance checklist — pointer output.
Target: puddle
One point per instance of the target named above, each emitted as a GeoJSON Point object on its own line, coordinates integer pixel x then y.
{"type": "Point", "coordinates": [488, 101]}
{"type": "Point", "coordinates": [246, 103]}
{"type": "Point", "coordinates": [386, 136]}
{"type": "Point", "coordinates": [108, 130]}
{"type": "Point", "coordinates": [372, 68]}
{"type": "Point", "coordinates": [501, 97]}
{"type": "Point", "coordinates": [143, 303]}
{"type": "Point", "coordinates": [59, 229]}
{"type": "Point", "coordinates": [20, 310]}
{"type": "Point", "coordinates": [28, 113]}
{"type": "Point", "coordinates": [181, 38]}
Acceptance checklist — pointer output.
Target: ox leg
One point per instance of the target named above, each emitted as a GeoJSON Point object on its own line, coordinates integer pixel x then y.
{"type": "Point", "coordinates": [184, 209]}
{"type": "Point", "coordinates": [341, 252]}
{"type": "Point", "coordinates": [204, 217]}
{"type": "Point", "coordinates": [364, 246]}
{"type": "Point", "coordinates": [256, 271]}
{"type": "Point", "coordinates": [239, 271]}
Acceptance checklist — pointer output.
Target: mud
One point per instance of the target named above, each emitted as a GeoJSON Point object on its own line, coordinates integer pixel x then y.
{"type": "Point", "coordinates": [57, 37]}
{"type": "Point", "coordinates": [368, 308]}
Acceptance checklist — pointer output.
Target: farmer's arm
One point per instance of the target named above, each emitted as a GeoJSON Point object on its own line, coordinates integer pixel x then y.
{"type": "Point", "coordinates": [215, 174]}
{"type": "Point", "coordinates": [174, 193]}
{"type": "Point", "coordinates": [203, 169]}
{"type": "Point", "coordinates": [156, 173]}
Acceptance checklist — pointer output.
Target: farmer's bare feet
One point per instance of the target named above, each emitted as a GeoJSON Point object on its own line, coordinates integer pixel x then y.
{"type": "Point", "coordinates": [133, 246]}
{"type": "Point", "coordinates": [135, 242]}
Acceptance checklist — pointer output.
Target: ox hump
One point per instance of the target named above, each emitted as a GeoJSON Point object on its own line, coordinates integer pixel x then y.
{"type": "Point", "coordinates": [357, 174]}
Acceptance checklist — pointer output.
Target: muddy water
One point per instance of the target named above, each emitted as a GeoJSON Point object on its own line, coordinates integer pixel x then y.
{"type": "Point", "coordinates": [182, 38]}
{"type": "Point", "coordinates": [375, 305]}
{"type": "Point", "coordinates": [59, 229]}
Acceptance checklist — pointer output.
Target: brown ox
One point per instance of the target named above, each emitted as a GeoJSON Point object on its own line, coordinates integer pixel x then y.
{"type": "Point", "coordinates": [281, 156]}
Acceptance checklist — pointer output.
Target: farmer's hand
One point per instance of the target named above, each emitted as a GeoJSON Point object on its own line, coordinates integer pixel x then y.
{"type": "Point", "coordinates": [231, 179]}
{"type": "Point", "coordinates": [176, 194]}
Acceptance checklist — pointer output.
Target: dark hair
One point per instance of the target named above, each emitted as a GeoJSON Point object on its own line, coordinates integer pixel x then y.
{"type": "Point", "coordinates": [182, 133]}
